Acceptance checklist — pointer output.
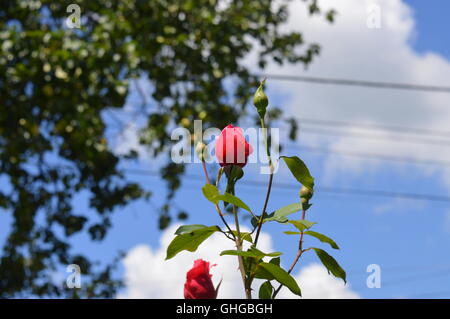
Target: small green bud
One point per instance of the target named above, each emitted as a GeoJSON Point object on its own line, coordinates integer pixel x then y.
{"type": "Point", "coordinates": [306, 193]}
{"type": "Point", "coordinates": [199, 149]}
{"type": "Point", "coordinates": [260, 100]}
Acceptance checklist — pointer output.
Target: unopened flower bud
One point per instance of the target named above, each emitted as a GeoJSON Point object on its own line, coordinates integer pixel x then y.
{"type": "Point", "coordinates": [306, 193]}
{"type": "Point", "coordinates": [199, 149]}
{"type": "Point", "coordinates": [198, 282]}
{"type": "Point", "coordinates": [260, 100]}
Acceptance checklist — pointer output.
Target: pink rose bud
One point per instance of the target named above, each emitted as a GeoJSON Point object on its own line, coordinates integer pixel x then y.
{"type": "Point", "coordinates": [232, 148]}
{"type": "Point", "coordinates": [198, 282]}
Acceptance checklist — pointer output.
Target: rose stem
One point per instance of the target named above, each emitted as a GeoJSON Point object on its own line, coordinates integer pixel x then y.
{"type": "Point", "coordinates": [266, 201]}
{"type": "Point", "coordinates": [248, 292]}
{"type": "Point", "coordinates": [217, 206]}
{"type": "Point", "coordinates": [269, 187]}
{"type": "Point", "coordinates": [297, 257]}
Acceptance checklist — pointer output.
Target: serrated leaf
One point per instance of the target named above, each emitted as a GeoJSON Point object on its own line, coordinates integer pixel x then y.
{"type": "Point", "coordinates": [300, 171]}
{"type": "Point", "coordinates": [331, 264]}
{"type": "Point", "coordinates": [280, 214]}
{"type": "Point", "coordinates": [301, 225]}
{"type": "Point", "coordinates": [281, 275]}
{"type": "Point", "coordinates": [265, 291]}
{"type": "Point", "coordinates": [188, 228]}
{"type": "Point", "coordinates": [322, 238]}
{"type": "Point", "coordinates": [189, 241]}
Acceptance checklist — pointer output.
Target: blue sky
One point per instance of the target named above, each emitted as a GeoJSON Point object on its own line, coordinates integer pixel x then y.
{"type": "Point", "coordinates": [407, 238]}
{"type": "Point", "coordinates": [431, 19]}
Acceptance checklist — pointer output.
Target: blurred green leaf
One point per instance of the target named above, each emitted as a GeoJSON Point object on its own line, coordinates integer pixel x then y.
{"type": "Point", "coordinates": [265, 291]}
{"type": "Point", "coordinates": [188, 228]}
{"type": "Point", "coordinates": [292, 232]}
{"type": "Point", "coordinates": [301, 225]}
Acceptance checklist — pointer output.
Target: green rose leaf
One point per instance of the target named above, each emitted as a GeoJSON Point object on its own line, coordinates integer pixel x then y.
{"type": "Point", "coordinates": [275, 261]}
{"type": "Point", "coordinates": [301, 225]}
{"type": "Point", "coordinates": [254, 221]}
{"type": "Point", "coordinates": [240, 253]}
{"type": "Point", "coordinates": [281, 275]}
{"type": "Point", "coordinates": [244, 236]}
{"type": "Point", "coordinates": [188, 228]}
{"type": "Point", "coordinates": [265, 291]}
{"type": "Point", "coordinates": [251, 252]}
{"type": "Point", "coordinates": [226, 197]}
{"type": "Point", "coordinates": [260, 253]}
{"type": "Point", "coordinates": [280, 214]}
{"type": "Point", "coordinates": [322, 238]}
{"type": "Point", "coordinates": [292, 232]}
{"type": "Point", "coordinates": [190, 241]}
{"type": "Point", "coordinates": [331, 264]}
{"type": "Point", "coordinates": [211, 193]}
{"type": "Point", "coordinates": [262, 273]}
{"type": "Point", "coordinates": [300, 171]}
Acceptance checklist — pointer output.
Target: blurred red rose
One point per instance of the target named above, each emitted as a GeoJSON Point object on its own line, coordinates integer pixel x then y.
{"type": "Point", "coordinates": [198, 282]}
{"type": "Point", "coordinates": [232, 148]}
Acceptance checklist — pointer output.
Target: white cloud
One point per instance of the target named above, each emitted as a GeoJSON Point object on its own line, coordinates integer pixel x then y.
{"type": "Point", "coordinates": [351, 50]}
{"type": "Point", "coordinates": [148, 275]}
{"type": "Point", "coordinates": [127, 140]}
{"type": "Point", "coordinates": [315, 283]}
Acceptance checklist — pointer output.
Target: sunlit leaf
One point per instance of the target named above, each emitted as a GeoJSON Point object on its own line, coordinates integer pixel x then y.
{"type": "Point", "coordinates": [331, 264]}
{"type": "Point", "coordinates": [322, 238]}
{"type": "Point", "coordinates": [189, 241]}
{"type": "Point", "coordinates": [300, 171]}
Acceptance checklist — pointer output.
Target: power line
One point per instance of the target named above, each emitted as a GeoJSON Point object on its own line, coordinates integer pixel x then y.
{"type": "Point", "coordinates": [334, 132]}
{"type": "Point", "coordinates": [352, 82]}
{"type": "Point", "coordinates": [372, 126]}
{"type": "Point", "coordinates": [408, 139]}
{"type": "Point", "coordinates": [320, 189]}
{"type": "Point", "coordinates": [374, 156]}
{"type": "Point", "coordinates": [367, 126]}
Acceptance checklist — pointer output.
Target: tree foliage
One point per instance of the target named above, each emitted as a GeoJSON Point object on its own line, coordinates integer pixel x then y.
{"type": "Point", "coordinates": [56, 83]}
